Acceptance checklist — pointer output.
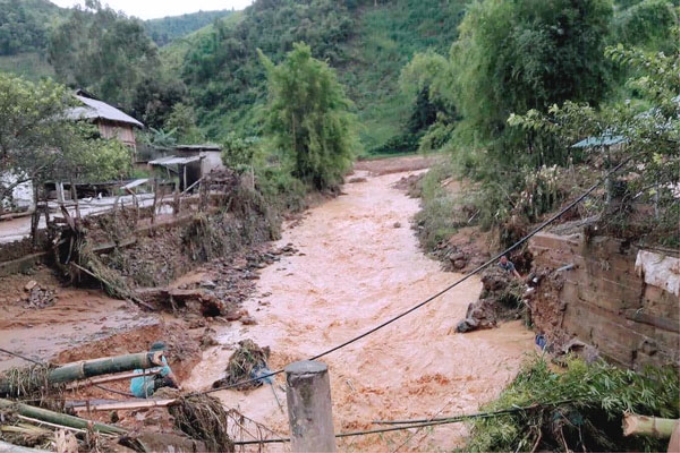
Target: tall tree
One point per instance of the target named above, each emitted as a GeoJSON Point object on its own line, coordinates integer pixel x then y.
{"type": "Point", "coordinates": [309, 116]}
{"type": "Point", "coordinates": [103, 51]}
{"type": "Point", "coordinates": [513, 56]}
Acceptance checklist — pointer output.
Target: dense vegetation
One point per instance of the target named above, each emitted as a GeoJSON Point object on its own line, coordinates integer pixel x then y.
{"type": "Point", "coordinates": [579, 409]}
{"type": "Point", "coordinates": [164, 31]}
{"type": "Point", "coordinates": [24, 25]}
{"type": "Point", "coordinates": [428, 74]}
{"type": "Point", "coordinates": [38, 145]}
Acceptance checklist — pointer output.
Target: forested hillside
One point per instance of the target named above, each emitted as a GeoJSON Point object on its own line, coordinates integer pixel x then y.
{"type": "Point", "coordinates": [167, 29]}
{"type": "Point", "coordinates": [367, 43]}
{"type": "Point", "coordinates": [395, 59]}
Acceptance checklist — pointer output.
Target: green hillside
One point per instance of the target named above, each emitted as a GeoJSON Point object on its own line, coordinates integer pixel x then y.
{"type": "Point", "coordinates": [167, 29]}
{"type": "Point", "coordinates": [367, 44]}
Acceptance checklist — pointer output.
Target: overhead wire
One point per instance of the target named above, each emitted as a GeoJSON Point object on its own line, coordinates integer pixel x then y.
{"type": "Point", "coordinates": [416, 424]}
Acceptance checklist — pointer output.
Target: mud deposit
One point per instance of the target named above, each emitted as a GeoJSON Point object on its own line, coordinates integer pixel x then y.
{"type": "Point", "coordinates": [358, 265]}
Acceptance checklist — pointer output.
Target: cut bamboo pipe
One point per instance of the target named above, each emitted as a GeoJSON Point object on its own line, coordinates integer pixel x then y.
{"type": "Point", "coordinates": [60, 419]}
{"type": "Point", "coordinates": [639, 425]}
{"type": "Point", "coordinates": [97, 367]}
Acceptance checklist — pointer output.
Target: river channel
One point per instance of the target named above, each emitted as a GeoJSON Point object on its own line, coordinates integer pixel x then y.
{"type": "Point", "coordinates": [358, 265]}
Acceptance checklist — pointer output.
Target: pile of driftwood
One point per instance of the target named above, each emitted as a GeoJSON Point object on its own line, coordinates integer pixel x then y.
{"type": "Point", "coordinates": [43, 419]}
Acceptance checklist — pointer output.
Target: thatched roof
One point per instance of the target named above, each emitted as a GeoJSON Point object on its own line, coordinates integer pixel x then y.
{"type": "Point", "coordinates": [93, 109]}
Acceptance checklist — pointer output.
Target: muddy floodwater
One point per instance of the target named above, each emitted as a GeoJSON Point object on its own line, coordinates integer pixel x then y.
{"type": "Point", "coordinates": [358, 265]}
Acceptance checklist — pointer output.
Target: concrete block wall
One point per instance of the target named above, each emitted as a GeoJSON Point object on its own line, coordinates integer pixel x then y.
{"type": "Point", "coordinates": [606, 302]}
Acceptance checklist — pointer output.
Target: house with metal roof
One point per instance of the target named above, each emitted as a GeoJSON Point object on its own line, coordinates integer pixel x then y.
{"type": "Point", "coordinates": [112, 123]}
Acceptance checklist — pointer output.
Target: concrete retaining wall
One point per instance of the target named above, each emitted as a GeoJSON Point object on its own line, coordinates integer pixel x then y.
{"type": "Point", "coordinates": [632, 315]}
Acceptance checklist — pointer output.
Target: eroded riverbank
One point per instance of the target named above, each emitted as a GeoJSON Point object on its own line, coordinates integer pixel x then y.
{"type": "Point", "coordinates": [359, 264]}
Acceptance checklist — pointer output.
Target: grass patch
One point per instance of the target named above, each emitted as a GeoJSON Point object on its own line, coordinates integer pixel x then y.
{"type": "Point", "coordinates": [580, 409]}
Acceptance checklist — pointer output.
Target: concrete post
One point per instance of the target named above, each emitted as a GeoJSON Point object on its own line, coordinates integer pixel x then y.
{"type": "Point", "coordinates": [310, 413]}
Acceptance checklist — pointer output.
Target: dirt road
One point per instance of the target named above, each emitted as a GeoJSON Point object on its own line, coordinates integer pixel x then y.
{"type": "Point", "coordinates": [359, 264]}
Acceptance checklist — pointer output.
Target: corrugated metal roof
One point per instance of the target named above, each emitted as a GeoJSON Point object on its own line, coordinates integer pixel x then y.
{"type": "Point", "coordinates": [94, 109]}
{"type": "Point", "coordinates": [174, 160]}
{"type": "Point", "coordinates": [604, 140]}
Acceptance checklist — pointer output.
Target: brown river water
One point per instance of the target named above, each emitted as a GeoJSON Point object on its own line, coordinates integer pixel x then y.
{"type": "Point", "coordinates": [356, 269]}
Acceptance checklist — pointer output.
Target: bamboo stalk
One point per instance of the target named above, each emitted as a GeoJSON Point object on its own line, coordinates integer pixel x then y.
{"type": "Point", "coordinates": [125, 405]}
{"type": "Point", "coordinates": [51, 425]}
{"type": "Point", "coordinates": [97, 367]}
{"type": "Point", "coordinates": [89, 368]}
{"type": "Point", "coordinates": [25, 430]}
{"type": "Point", "coordinates": [104, 379]}
{"type": "Point", "coordinates": [60, 419]}
{"type": "Point", "coordinates": [10, 448]}
{"type": "Point", "coordinates": [640, 425]}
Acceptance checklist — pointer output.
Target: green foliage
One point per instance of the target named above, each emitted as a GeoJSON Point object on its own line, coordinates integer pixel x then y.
{"type": "Point", "coordinates": [384, 39]}
{"type": "Point", "coordinates": [32, 66]}
{"type": "Point", "coordinates": [515, 56]}
{"type": "Point", "coordinates": [182, 119]}
{"type": "Point", "coordinates": [103, 51]}
{"type": "Point", "coordinates": [37, 144]}
{"type": "Point", "coordinates": [239, 153]}
{"type": "Point", "coordinates": [308, 114]}
{"type": "Point", "coordinates": [222, 70]}
{"type": "Point", "coordinates": [580, 409]}
{"type": "Point", "coordinates": [167, 29]}
{"type": "Point", "coordinates": [652, 137]}
{"type": "Point", "coordinates": [648, 25]}
{"type": "Point", "coordinates": [24, 25]}
{"type": "Point", "coordinates": [437, 219]}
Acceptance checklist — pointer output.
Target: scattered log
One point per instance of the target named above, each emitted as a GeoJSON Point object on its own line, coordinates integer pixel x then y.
{"type": "Point", "coordinates": [640, 425]}
{"type": "Point", "coordinates": [125, 405]}
{"type": "Point", "coordinates": [59, 419]}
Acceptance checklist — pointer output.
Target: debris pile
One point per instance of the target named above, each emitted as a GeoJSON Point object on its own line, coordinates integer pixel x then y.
{"type": "Point", "coordinates": [501, 299]}
{"type": "Point", "coordinates": [203, 418]}
{"type": "Point", "coordinates": [39, 298]}
{"type": "Point", "coordinates": [248, 362]}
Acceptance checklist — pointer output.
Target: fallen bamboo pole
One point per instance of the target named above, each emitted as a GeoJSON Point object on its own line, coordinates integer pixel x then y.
{"type": "Point", "coordinates": [11, 448]}
{"type": "Point", "coordinates": [51, 425]}
{"type": "Point", "coordinates": [125, 405]}
{"type": "Point", "coordinates": [60, 419]}
{"type": "Point", "coordinates": [89, 368]}
{"type": "Point", "coordinates": [104, 379]}
{"type": "Point", "coordinates": [640, 425]}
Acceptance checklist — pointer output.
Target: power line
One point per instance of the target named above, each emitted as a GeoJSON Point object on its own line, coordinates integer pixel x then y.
{"type": "Point", "coordinates": [413, 424]}
{"type": "Point", "coordinates": [21, 356]}
{"type": "Point", "coordinates": [443, 291]}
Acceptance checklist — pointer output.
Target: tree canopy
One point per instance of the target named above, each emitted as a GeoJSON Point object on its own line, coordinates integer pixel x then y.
{"type": "Point", "coordinates": [103, 51]}
{"type": "Point", "coordinates": [38, 143]}
{"type": "Point", "coordinates": [309, 117]}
